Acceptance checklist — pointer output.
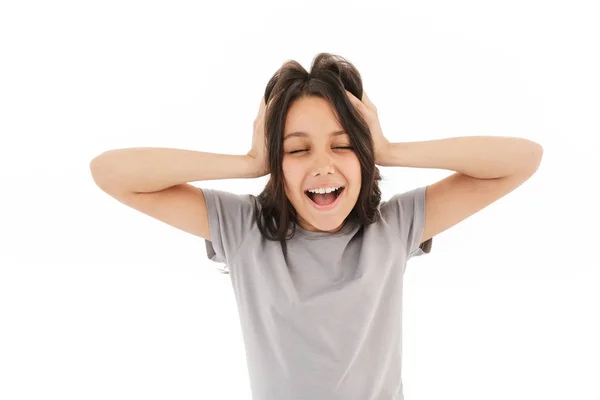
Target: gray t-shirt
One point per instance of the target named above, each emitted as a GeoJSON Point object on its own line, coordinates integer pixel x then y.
{"type": "Point", "coordinates": [321, 316]}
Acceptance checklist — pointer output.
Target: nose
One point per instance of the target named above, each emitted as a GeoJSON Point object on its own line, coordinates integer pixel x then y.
{"type": "Point", "coordinates": [323, 163]}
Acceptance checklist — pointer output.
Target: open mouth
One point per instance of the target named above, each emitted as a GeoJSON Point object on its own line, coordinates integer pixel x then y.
{"type": "Point", "coordinates": [324, 201]}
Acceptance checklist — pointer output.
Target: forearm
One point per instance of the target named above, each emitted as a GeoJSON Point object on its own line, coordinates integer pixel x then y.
{"type": "Point", "coordinates": [483, 157]}
{"type": "Point", "coordinates": [149, 169]}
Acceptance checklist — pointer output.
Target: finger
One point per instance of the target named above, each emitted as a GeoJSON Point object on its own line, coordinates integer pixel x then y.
{"type": "Point", "coordinates": [263, 106]}
{"type": "Point", "coordinates": [353, 99]}
{"type": "Point", "coordinates": [366, 99]}
{"type": "Point", "coordinates": [359, 105]}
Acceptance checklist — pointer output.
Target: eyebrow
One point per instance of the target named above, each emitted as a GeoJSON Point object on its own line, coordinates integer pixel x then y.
{"type": "Point", "coordinates": [304, 134]}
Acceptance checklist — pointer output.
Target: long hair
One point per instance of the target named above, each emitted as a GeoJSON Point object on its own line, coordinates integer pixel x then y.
{"type": "Point", "coordinates": [330, 75]}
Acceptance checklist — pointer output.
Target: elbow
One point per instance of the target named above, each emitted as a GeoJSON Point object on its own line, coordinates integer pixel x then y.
{"type": "Point", "coordinates": [538, 154]}
{"type": "Point", "coordinates": [99, 170]}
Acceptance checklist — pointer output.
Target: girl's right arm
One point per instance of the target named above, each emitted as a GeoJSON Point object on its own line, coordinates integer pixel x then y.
{"type": "Point", "coordinates": [154, 181]}
{"type": "Point", "coordinates": [150, 169]}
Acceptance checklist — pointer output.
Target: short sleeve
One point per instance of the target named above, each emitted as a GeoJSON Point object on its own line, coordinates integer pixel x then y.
{"type": "Point", "coordinates": [406, 214]}
{"type": "Point", "coordinates": [231, 218]}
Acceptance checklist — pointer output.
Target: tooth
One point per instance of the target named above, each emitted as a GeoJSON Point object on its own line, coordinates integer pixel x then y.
{"type": "Point", "coordinates": [324, 190]}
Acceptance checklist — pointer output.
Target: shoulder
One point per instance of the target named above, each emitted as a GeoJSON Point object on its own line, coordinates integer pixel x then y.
{"type": "Point", "coordinates": [403, 202]}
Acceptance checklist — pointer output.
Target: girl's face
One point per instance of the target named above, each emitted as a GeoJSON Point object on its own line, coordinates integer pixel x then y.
{"type": "Point", "coordinates": [318, 156]}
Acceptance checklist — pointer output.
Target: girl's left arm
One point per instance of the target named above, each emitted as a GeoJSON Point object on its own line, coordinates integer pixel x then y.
{"type": "Point", "coordinates": [482, 157]}
{"type": "Point", "coordinates": [487, 168]}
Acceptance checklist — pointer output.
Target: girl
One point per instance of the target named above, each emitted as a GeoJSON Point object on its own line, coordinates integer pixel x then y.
{"type": "Point", "coordinates": [317, 259]}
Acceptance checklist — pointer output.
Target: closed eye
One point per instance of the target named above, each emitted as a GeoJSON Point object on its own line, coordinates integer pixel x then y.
{"type": "Point", "coordinates": [339, 147]}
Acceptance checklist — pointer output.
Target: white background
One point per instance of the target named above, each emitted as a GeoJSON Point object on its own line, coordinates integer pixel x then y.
{"type": "Point", "coordinates": [99, 301]}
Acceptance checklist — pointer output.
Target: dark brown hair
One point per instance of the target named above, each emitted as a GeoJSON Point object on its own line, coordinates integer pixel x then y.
{"type": "Point", "coordinates": [330, 75]}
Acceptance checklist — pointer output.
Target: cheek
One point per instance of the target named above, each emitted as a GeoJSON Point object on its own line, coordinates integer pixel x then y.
{"type": "Point", "coordinates": [292, 178]}
{"type": "Point", "coordinates": [356, 178]}
{"type": "Point", "coordinates": [292, 169]}
{"type": "Point", "coordinates": [354, 168]}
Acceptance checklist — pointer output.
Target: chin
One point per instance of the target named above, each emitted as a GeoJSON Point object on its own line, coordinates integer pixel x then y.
{"type": "Point", "coordinates": [325, 224]}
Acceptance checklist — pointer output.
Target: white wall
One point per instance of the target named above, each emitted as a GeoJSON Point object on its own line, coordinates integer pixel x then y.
{"type": "Point", "coordinates": [100, 301]}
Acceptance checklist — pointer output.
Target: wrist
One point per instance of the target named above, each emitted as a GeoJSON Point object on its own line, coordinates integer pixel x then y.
{"type": "Point", "coordinates": [256, 167]}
